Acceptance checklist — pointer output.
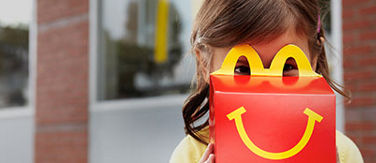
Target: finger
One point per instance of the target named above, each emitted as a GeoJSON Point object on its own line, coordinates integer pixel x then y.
{"type": "Point", "coordinates": [211, 158]}
{"type": "Point", "coordinates": [208, 151]}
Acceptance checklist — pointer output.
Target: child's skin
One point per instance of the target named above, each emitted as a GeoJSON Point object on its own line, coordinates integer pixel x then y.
{"type": "Point", "coordinates": [266, 51]}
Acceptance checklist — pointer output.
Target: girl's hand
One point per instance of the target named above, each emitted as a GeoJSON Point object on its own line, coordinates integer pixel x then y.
{"type": "Point", "coordinates": [208, 156]}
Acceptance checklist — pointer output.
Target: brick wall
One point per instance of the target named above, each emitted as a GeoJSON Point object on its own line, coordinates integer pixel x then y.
{"type": "Point", "coordinates": [61, 134]}
{"type": "Point", "coordinates": [359, 57]}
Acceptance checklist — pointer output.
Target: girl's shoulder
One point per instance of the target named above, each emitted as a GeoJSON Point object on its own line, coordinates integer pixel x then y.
{"type": "Point", "coordinates": [190, 150]}
{"type": "Point", "coordinates": [347, 150]}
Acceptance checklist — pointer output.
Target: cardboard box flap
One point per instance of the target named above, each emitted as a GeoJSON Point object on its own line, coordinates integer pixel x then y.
{"type": "Point", "coordinates": [264, 84]}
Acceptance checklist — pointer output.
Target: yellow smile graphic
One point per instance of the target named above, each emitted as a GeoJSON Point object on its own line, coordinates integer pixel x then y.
{"type": "Point", "coordinates": [312, 118]}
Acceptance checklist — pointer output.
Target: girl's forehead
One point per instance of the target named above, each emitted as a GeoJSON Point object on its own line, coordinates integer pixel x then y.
{"type": "Point", "coordinates": [290, 36]}
{"type": "Point", "coordinates": [268, 49]}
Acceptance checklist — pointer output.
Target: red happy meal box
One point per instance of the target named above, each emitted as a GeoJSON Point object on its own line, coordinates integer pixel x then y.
{"type": "Point", "coordinates": [265, 117]}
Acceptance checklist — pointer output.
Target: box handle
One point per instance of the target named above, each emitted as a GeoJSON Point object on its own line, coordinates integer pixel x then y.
{"type": "Point", "coordinates": [276, 67]}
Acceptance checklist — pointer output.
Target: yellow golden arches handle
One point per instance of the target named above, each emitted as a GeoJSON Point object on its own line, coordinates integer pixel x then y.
{"type": "Point", "coordinates": [312, 118]}
{"type": "Point", "coordinates": [304, 67]}
{"type": "Point", "coordinates": [256, 66]}
{"type": "Point", "coordinates": [228, 65]}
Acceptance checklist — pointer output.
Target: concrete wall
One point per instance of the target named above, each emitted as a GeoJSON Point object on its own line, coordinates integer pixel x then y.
{"type": "Point", "coordinates": [16, 139]}
{"type": "Point", "coordinates": [135, 135]}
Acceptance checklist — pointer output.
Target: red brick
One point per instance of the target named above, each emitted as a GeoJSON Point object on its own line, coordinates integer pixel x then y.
{"type": "Point", "coordinates": [349, 63]}
{"type": "Point", "coordinates": [348, 14]}
{"type": "Point", "coordinates": [349, 85]}
{"type": "Point", "coordinates": [62, 84]}
{"type": "Point", "coordinates": [348, 39]}
{"type": "Point", "coordinates": [368, 10]}
{"type": "Point", "coordinates": [72, 39]}
{"type": "Point", "coordinates": [356, 25]}
{"type": "Point", "coordinates": [368, 126]}
{"type": "Point", "coordinates": [362, 102]}
{"type": "Point", "coordinates": [367, 152]}
{"type": "Point", "coordinates": [369, 139]}
{"type": "Point", "coordinates": [368, 35]}
{"type": "Point", "coordinates": [354, 138]}
{"type": "Point", "coordinates": [61, 146]}
{"type": "Point", "coordinates": [357, 75]}
{"type": "Point", "coordinates": [61, 112]}
{"type": "Point", "coordinates": [357, 50]}
{"type": "Point", "coordinates": [352, 3]}
{"type": "Point", "coordinates": [368, 60]}
{"type": "Point", "coordinates": [367, 87]}
{"type": "Point", "coordinates": [359, 58]}
{"type": "Point", "coordinates": [369, 159]}
{"type": "Point", "coordinates": [52, 10]}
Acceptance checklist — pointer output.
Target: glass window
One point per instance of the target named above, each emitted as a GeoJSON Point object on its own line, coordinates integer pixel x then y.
{"type": "Point", "coordinates": [143, 48]}
{"type": "Point", "coordinates": [14, 52]}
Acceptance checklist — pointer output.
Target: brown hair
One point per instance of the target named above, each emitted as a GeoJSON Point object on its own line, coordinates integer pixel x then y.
{"type": "Point", "coordinates": [225, 23]}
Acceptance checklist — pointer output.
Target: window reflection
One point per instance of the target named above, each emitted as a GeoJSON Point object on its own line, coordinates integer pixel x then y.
{"type": "Point", "coordinates": [14, 40]}
{"type": "Point", "coordinates": [14, 52]}
{"type": "Point", "coordinates": [134, 59]}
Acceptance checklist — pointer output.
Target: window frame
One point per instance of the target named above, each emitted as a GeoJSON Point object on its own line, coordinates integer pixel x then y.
{"type": "Point", "coordinates": [336, 33]}
{"type": "Point", "coordinates": [29, 109]}
{"type": "Point", "coordinates": [96, 105]}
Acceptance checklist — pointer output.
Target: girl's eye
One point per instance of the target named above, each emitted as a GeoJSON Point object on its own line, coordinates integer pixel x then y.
{"type": "Point", "coordinates": [288, 67]}
{"type": "Point", "coordinates": [242, 70]}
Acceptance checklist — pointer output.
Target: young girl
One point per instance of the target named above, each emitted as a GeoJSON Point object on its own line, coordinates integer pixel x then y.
{"type": "Point", "coordinates": [266, 25]}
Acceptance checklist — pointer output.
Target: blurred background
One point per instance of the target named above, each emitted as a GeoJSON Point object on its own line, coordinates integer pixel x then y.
{"type": "Point", "coordinates": [103, 81]}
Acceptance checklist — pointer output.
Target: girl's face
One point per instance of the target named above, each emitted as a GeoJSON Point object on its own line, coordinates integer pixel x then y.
{"type": "Point", "coordinates": [266, 51]}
